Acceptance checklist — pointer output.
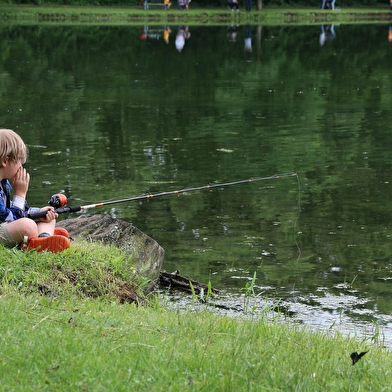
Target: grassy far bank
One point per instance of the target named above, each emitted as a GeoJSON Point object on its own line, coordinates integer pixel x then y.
{"type": "Point", "coordinates": [195, 16]}
{"type": "Point", "coordinates": [71, 336]}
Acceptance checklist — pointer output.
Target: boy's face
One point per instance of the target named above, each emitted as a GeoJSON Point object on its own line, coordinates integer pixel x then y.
{"type": "Point", "coordinates": [11, 167]}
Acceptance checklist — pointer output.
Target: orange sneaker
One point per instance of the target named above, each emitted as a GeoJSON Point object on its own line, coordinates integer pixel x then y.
{"type": "Point", "coordinates": [53, 243]}
{"type": "Point", "coordinates": [61, 231]}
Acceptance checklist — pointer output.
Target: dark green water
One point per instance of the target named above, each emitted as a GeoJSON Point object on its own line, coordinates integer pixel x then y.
{"type": "Point", "coordinates": [115, 112]}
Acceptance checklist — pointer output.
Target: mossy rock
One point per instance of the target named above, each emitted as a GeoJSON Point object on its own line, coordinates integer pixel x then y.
{"type": "Point", "coordinates": [146, 252]}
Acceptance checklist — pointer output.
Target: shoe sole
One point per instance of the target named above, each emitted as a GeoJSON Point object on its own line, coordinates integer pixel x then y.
{"type": "Point", "coordinates": [54, 244]}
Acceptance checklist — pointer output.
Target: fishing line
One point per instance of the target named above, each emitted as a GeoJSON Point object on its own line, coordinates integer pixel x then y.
{"type": "Point", "coordinates": [60, 200]}
{"type": "Point", "coordinates": [297, 219]}
{"type": "Point", "coordinates": [296, 234]}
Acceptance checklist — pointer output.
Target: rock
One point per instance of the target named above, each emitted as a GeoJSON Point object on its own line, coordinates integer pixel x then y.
{"type": "Point", "coordinates": [147, 253]}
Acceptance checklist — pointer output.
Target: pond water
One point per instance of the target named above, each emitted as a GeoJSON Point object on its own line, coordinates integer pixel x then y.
{"type": "Point", "coordinates": [115, 112]}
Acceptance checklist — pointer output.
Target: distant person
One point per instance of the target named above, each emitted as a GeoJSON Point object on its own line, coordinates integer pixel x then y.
{"type": "Point", "coordinates": [328, 4]}
{"type": "Point", "coordinates": [233, 5]}
{"type": "Point", "coordinates": [248, 38]}
{"type": "Point", "coordinates": [183, 4]}
{"type": "Point", "coordinates": [182, 35]}
{"type": "Point", "coordinates": [390, 34]}
{"type": "Point", "coordinates": [248, 5]}
{"type": "Point", "coordinates": [167, 4]}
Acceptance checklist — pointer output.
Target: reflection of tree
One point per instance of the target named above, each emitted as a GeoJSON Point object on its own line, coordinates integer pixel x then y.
{"type": "Point", "coordinates": [116, 115]}
{"type": "Point", "coordinates": [124, 104]}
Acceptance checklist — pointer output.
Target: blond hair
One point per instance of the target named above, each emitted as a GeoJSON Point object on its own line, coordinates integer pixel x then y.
{"type": "Point", "coordinates": [12, 146]}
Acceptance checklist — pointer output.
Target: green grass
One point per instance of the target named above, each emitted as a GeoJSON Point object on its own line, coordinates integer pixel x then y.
{"type": "Point", "coordinates": [135, 15]}
{"type": "Point", "coordinates": [68, 344]}
{"type": "Point", "coordinates": [85, 270]}
{"type": "Point", "coordinates": [78, 335]}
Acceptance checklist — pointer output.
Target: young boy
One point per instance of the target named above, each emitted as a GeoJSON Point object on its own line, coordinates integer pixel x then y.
{"type": "Point", "coordinates": [15, 226]}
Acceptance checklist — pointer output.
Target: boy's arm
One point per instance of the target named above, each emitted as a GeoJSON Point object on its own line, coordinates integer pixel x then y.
{"type": "Point", "coordinates": [5, 214]}
{"type": "Point", "coordinates": [17, 208]}
{"type": "Point", "coordinates": [20, 209]}
{"type": "Point", "coordinates": [10, 214]}
{"type": "Point", "coordinates": [20, 183]}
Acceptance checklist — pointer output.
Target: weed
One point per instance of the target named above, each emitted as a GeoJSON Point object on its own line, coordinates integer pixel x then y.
{"type": "Point", "coordinates": [249, 293]}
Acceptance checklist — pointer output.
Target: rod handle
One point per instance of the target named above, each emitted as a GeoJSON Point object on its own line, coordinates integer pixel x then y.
{"type": "Point", "coordinates": [37, 215]}
{"type": "Point", "coordinates": [42, 214]}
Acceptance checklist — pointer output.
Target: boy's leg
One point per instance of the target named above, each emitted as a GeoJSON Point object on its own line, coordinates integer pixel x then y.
{"type": "Point", "coordinates": [48, 239]}
{"type": "Point", "coordinates": [46, 227]}
{"type": "Point", "coordinates": [26, 227]}
{"type": "Point", "coordinates": [14, 233]}
{"type": "Point", "coordinates": [21, 228]}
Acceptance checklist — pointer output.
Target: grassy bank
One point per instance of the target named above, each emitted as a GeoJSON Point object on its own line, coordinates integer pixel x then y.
{"type": "Point", "coordinates": [90, 345]}
{"type": "Point", "coordinates": [67, 338]}
{"type": "Point", "coordinates": [85, 270]}
{"type": "Point", "coordinates": [195, 16]}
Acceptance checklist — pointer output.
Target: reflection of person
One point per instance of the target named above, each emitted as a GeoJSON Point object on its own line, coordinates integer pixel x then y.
{"type": "Point", "coordinates": [330, 4]}
{"type": "Point", "coordinates": [182, 34]}
{"type": "Point", "coordinates": [327, 34]}
{"type": "Point", "coordinates": [232, 32]}
{"type": "Point", "coordinates": [233, 4]}
{"type": "Point", "coordinates": [166, 34]}
{"type": "Point", "coordinates": [15, 226]}
{"type": "Point", "coordinates": [248, 38]}
{"type": "Point", "coordinates": [248, 5]}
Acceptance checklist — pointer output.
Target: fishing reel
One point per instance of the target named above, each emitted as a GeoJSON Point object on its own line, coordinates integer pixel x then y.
{"type": "Point", "coordinates": [58, 200]}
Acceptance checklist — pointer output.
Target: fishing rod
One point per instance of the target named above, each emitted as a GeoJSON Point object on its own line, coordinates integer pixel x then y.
{"type": "Point", "coordinates": [59, 200]}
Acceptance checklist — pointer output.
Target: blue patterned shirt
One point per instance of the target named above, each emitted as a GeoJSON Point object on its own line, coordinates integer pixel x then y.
{"type": "Point", "coordinates": [10, 211]}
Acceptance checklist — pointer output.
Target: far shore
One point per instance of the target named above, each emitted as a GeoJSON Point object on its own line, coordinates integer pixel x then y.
{"type": "Point", "coordinates": [136, 15]}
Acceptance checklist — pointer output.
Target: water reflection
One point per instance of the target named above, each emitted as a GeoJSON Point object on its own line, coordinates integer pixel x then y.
{"type": "Point", "coordinates": [120, 127]}
{"type": "Point", "coordinates": [248, 38]}
{"type": "Point", "coordinates": [327, 34]}
{"type": "Point", "coordinates": [182, 35]}
{"type": "Point", "coordinates": [151, 33]}
{"type": "Point", "coordinates": [232, 32]}
{"type": "Point", "coordinates": [156, 33]}
{"type": "Point", "coordinates": [166, 34]}
{"type": "Point", "coordinates": [330, 318]}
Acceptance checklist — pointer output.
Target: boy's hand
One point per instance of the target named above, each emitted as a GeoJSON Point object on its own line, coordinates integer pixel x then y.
{"type": "Point", "coordinates": [20, 182]}
{"type": "Point", "coordinates": [50, 215]}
